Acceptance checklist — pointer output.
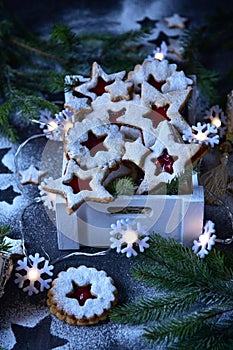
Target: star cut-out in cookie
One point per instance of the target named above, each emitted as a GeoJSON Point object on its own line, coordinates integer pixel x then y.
{"type": "Point", "coordinates": [98, 81]}
{"type": "Point", "coordinates": [38, 337]}
{"type": "Point", "coordinates": [31, 175]}
{"type": "Point", "coordinates": [78, 186]}
{"type": "Point", "coordinates": [176, 21]}
{"type": "Point", "coordinates": [119, 90]}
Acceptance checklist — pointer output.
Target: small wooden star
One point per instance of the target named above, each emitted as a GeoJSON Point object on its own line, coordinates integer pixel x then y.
{"type": "Point", "coordinates": [31, 175]}
{"type": "Point", "coordinates": [175, 48]}
{"type": "Point", "coordinates": [98, 81]}
{"type": "Point", "coordinates": [176, 21]}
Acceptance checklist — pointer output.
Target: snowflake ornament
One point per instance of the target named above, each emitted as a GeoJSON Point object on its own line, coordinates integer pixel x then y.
{"type": "Point", "coordinates": [217, 117]}
{"type": "Point", "coordinates": [203, 134]}
{"type": "Point", "coordinates": [48, 198]}
{"type": "Point", "coordinates": [159, 53]}
{"type": "Point", "coordinates": [33, 274]}
{"type": "Point", "coordinates": [125, 234]}
{"type": "Point", "coordinates": [49, 125]}
{"type": "Point", "coordinates": [65, 120]}
{"type": "Point", "coordinates": [206, 240]}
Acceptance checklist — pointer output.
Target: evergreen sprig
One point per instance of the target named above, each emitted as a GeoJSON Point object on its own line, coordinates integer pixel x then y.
{"type": "Point", "coordinates": [193, 295]}
{"type": "Point", "coordinates": [32, 69]}
{"type": "Point", "coordinates": [4, 247]}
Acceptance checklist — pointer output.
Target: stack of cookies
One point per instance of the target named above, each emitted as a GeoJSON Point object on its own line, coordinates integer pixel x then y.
{"type": "Point", "coordinates": [126, 125]}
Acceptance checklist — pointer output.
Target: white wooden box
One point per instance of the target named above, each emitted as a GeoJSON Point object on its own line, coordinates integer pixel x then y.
{"type": "Point", "coordinates": [177, 216]}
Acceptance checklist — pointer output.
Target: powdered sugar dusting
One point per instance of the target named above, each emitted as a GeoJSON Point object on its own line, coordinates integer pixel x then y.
{"type": "Point", "coordinates": [26, 315]}
{"type": "Point", "coordinates": [101, 287]}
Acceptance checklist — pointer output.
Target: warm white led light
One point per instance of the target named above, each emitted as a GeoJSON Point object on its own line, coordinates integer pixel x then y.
{"type": "Point", "coordinates": [130, 236]}
{"type": "Point", "coordinates": [33, 274]}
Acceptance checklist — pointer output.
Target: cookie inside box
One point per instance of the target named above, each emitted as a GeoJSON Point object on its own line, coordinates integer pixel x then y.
{"type": "Point", "coordinates": [179, 216]}
{"type": "Point", "coordinates": [128, 136]}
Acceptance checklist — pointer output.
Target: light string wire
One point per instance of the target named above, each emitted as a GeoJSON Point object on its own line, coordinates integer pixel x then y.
{"type": "Point", "coordinates": [39, 200]}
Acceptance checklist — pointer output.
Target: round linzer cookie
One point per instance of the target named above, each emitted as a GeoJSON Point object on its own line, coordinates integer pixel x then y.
{"type": "Point", "coordinates": [82, 296]}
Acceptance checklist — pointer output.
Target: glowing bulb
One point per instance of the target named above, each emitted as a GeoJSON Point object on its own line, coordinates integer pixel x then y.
{"type": "Point", "coordinates": [130, 236]}
{"type": "Point", "coordinates": [33, 274]}
{"type": "Point", "coordinates": [200, 136]}
{"type": "Point", "coordinates": [159, 56]}
{"type": "Point", "coordinates": [52, 125]}
{"type": "Point", "coordinates": [216, 121]}
{"type": "Point", "coordinates": [68, 125]}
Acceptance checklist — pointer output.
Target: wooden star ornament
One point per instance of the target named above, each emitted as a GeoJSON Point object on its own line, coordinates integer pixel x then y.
{"type": "Point", "coordinates": [176, 21]}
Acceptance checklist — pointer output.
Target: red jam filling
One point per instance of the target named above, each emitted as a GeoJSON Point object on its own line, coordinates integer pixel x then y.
{"type": "Point", "coordinates": [151, 80]}
{"type": "Point", "coordinates": [99, 88]}
{"type": "Point", "coordinates": [78, 184]}
{"type": "Point", "coordinates": [166, 161]}
{"type": "Point", "coordinates": [94, 144]}
{"type": "Point", "coordinates": [82, 294]}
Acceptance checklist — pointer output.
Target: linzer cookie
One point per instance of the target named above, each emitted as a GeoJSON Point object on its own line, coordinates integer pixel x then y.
{"type": "Point", "coordinates": [134, 127]}
{"type": "Point", "coordinates": [82, 296]}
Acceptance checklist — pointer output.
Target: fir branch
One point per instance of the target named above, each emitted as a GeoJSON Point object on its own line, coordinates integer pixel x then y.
{"type": "Point", "coordinates": [4, 247]}
{"type": "Point", "coordinates": [153, 309]}
{"type": "Point", "coordinates": [189, 284]}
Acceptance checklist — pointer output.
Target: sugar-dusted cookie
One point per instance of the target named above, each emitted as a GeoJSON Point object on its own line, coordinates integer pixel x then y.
{"type": "Point", "coordinates": [155, 72]}
{"type": "Point", "coordinates": [169, 158]}
{"type": "Point", "coordinates": [31, 175]}
{"type": "Point", "coordinates": [78, 185]}
{"type": "Point", "coordinates": [172, 102]}
{"type": "Point", "coordinates": [120, 90]}
{"type": "Point", "coordinates": [82, 296]}
{"type": "Point", "coordinates": [95, 86]}
{"type": "Point", "coordinates": [95, 143]}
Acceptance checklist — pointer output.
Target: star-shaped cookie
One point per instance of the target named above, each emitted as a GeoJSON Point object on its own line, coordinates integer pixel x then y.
{"type": "Point", "coordinates": [158, 70]}
{"type": "Point", "coordinates": [119, 90]}
{"type": "Point", "coordinates": [175, 21]}
{"type": "Point", "coordinates": [78, 185]}
{"type": "Point", "coordinates": [175, 100]}
{"type": "Point", "coordinates": [31, 175]}
{"type": "Point", "coordinates": [94, 143]}
{"type": "Point", "coordinates": [168, 139]}
{"type": "Point", "coordinates": [98, 81]}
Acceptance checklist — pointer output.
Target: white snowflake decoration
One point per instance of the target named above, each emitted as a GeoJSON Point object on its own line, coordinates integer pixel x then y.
{"type": "Point", "coordinates": [159, 53]}
{"type": "Point", "coordinates": [48, 198]}
{"type": "Point", "coordinates": [202, 134]}
{"type": "Point", "coordinates": [217, 117]}
{"type": "Point", "coordinates": [128, 233]}
{"type": "Point", "coordinates": [65, 120]}
{"type": "Point", "coordinates": [49, 125]}
{"type": "Point", "coordinates": [206, 240]}
{"type": "Point", "coordinates": [33, 274]}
